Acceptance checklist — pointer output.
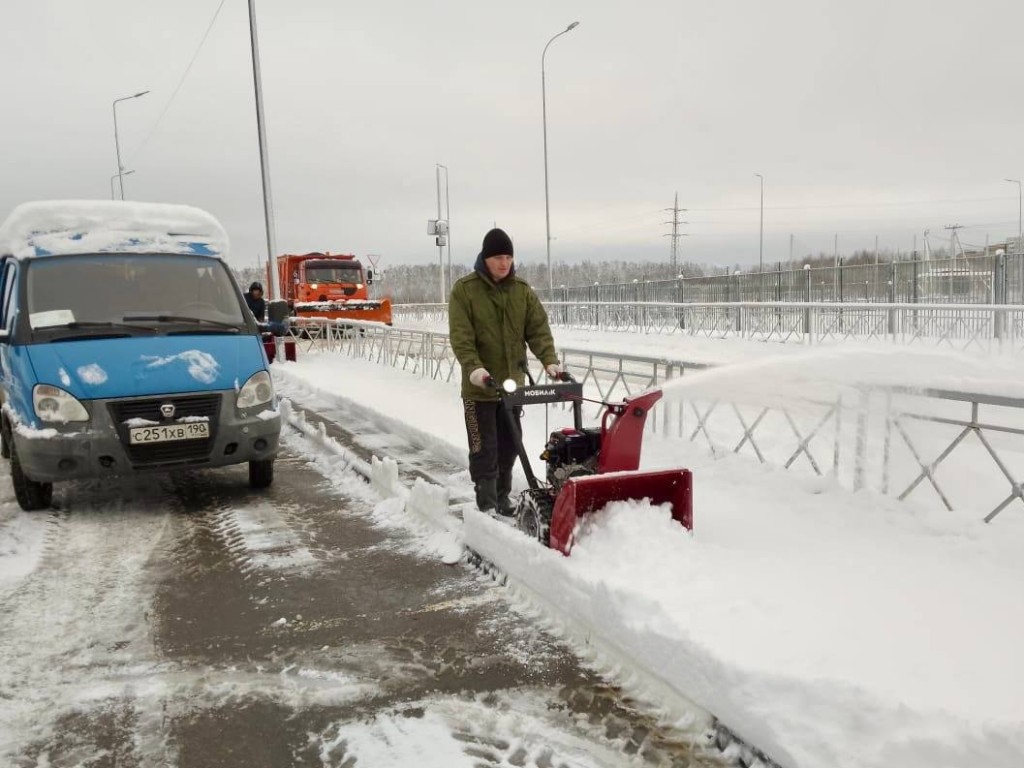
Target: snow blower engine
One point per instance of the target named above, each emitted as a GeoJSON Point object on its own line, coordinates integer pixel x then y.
{"type": "Point", "coordinates": [588, 467]}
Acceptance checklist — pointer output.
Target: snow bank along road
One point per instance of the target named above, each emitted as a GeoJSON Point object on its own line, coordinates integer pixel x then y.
{"type": "Point", "coordinates": [827, 627]}
{"type": "Point", "coordinates": [187, 621]}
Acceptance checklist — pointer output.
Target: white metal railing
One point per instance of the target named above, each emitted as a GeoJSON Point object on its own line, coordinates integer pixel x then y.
{"type": "Point", "coordinates": [964, 447]}
{"type": "Point", "coordinates": [959, 326]}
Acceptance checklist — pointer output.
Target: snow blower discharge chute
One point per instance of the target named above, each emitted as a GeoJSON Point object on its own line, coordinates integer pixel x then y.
{"type": "Point", "coordinates": [588, 467]}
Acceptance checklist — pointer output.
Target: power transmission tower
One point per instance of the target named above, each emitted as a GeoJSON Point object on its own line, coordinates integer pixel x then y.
{"type": "Point", "coordinates": [676, 234]}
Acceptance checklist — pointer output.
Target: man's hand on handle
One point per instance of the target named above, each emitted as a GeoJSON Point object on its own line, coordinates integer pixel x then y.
{"type": "Point", "coordinates": [480, 378]}
{"type": "Point", "coordinates": [554, 371]}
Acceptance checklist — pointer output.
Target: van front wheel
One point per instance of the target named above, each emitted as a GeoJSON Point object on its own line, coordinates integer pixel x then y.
{"type": "Point", "coordinates": [30, 494]}
{"type": "Point", "coordinates": [261, 473]}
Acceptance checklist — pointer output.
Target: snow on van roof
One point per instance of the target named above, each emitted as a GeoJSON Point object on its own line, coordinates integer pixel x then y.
{"type": "Point", "coordinates": [90, 226]}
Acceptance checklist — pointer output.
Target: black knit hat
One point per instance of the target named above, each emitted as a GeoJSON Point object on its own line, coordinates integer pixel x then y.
{"type": "Point", "coordinates": [256, 287]}
{"type": "Point", "coordinates": [496, 243]}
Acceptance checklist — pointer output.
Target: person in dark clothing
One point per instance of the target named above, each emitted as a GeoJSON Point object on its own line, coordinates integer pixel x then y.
{"type": "Point", "coordinates": [493, 316]}
{"type": "Point", "coordinates": [257, 304]}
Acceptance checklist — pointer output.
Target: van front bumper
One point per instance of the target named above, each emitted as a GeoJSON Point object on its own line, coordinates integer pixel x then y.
{"type": "Point", "coordinates": [102, 448]}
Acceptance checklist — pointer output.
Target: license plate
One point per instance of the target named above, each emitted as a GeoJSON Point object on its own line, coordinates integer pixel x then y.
{"type": "Point", "coordinates": [194, 430]}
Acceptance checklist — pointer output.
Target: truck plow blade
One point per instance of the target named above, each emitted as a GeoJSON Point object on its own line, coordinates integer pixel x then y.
{"type": "Point", "coordinates": [582, 495]}
{"type": "Point", "coordinates": [375, 310]}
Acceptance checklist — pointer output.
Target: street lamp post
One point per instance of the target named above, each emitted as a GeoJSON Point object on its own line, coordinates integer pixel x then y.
{"type": "Point", "coordinates": [276, 290]}
{"type": "Point", "coordinates": [116, 175]}
{"type": "Point", "coordinates": [448, 219]}
{"type": "Point", "coordinates": [544, 117]}
{"type": "Point", "coordinates": [1020, 208]}
{"type": "Point", "coordinates": [760, 247]}
{"type": "Point", "coordinates": [117, 142]}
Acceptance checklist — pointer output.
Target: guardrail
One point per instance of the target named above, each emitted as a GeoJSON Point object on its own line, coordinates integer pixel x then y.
{"type": "Point", "coordinates": [965, 447]}
{"type": "Point", "coordinates": [959, 326]}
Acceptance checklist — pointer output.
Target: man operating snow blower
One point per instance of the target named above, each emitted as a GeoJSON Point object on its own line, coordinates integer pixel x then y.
{"type": "Point", "coordinates": [492, 316]}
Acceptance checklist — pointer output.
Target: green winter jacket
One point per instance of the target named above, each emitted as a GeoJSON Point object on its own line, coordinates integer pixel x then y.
{"type": "Point", "coordinates": [490, 325]}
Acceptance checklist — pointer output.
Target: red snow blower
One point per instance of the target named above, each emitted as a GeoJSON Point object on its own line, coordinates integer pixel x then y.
{"type": "Point", "coordinates": [588, 467]}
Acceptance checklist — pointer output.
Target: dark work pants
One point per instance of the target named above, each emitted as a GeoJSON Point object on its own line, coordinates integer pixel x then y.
{"type": "Point", "coordinates": [492, 446]}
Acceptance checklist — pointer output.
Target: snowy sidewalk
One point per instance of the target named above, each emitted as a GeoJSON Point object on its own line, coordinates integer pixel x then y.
{"type": "Point", "coordinates": [824, 627]}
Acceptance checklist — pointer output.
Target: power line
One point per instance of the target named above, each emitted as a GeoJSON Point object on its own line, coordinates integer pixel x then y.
{"type": "Point", "coordinates": [181, 82]}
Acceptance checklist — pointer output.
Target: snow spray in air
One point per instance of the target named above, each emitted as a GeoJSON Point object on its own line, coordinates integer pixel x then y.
{"type": "Point", "coordinates": [828, 374]}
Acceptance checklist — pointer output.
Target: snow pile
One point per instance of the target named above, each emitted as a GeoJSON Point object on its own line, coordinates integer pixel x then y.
{"type": "Point", "coordinates": [823, 628]}
{"type": "Point", "coordinates": [93, 226]}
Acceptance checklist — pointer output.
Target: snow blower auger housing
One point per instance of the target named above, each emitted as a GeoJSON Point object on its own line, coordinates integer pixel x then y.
{"type": "Point", "coordinates": [588, 467]}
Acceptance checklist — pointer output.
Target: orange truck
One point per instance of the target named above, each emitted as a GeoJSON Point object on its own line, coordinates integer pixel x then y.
{"type": "Point", "coordinates": [332, 285]}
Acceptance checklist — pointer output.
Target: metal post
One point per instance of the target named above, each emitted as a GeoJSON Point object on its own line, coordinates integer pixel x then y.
{"type": "Point", "coordinates": [117, 141]}
{"type": "Point", "coordinates": [835, 266]}
{"type": "Point", "coordinates": [999, 297]}
{"type": "Point", "coordinates": [544, 120]}
{"type": "Point", "coordinates": [448, 222]}
{"type": "Point", "coordinates": [807, 299]}
{"type": "Point", "coordinates": [440, 247]}
{"type": "Point", "coordinates": [1020, 212]}
{"type": "Point", "coordinates": [268, 207]}
{"type": "Point", "coordinates": [760, 246]}
{"type": "Point", "coordinates": [116, 175]}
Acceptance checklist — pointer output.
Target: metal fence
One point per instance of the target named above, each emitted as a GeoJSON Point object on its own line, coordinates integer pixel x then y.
{"type": "Point", "coordinates": [981, 279]}
{"type": "Point", "coordinates": [987, 327]}
{"type": "Point", "coordinates": [964, 450]}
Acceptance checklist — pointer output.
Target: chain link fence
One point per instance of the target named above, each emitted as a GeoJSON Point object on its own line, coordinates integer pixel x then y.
{"type": "Point", "coordinates": [984, 279]}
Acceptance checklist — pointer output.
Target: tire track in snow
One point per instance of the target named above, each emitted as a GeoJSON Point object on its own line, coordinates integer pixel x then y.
{"type": "Point", "coordinates": [75, 635]}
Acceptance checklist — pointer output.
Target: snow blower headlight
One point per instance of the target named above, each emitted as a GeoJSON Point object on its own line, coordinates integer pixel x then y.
{"type": "Point", "coordinates": [259, 389]}
{"type": "Point", "coordinates": [54, 405]}
{"type": "Point", "coordinates": [509, 385]}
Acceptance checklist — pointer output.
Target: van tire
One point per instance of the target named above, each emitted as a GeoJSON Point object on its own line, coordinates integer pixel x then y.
{"type": "Point", "coordinates": [261, 473]}
{"type": "Point", "coordinates": [30, 494]}
{"type": "Point", "coordinates": [5, 438]}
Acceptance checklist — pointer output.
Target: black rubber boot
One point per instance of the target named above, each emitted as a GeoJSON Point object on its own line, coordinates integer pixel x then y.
{"type": "Point", "coordinates": [487, 495]}
{"type": "Point", "coordinates": [504, 488]}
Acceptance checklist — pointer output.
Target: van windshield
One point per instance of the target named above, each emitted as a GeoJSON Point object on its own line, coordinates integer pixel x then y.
{"type": "Point", "coordinates": [88, 291]}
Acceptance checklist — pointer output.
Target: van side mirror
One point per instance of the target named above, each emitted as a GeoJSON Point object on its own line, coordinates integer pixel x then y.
{"type": "Point", "coordinates": [369, 277]}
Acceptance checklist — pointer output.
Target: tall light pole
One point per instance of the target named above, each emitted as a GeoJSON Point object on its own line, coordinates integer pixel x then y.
{"type": "Point", "coordinates": [268, 207]}
{"type": "Point", "coordinates": [442, 231]}
{"type": "Point", "coordinates": [544, 114]}
{"type": "Point", "coordinates": [116, 175]}
{"type": "Point", "coordinates": [760, 247]}
{"type": "Point", "coordinates": [1020, 208]}
{"type": "Point", "coordinates": [447, 218]}
{"type": "Point", "coordinates": [117, 141]}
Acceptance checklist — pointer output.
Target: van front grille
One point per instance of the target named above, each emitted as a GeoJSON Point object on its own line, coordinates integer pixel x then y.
{"type": "Point", "coordinates": [176, 451]}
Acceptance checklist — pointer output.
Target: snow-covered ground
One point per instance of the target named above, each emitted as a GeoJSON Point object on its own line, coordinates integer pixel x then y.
{"type": "Point", "coordinates": [825, 627]}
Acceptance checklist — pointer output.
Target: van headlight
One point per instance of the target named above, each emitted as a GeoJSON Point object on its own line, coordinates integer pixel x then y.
{"type": "Point", "coordinates": [53, 404]}
{"type": "Point", "coordinates": [259, 389]}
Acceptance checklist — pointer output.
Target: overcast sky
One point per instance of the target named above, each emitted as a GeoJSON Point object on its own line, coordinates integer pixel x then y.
{"type": "Point", "coordinates": [874, 117]}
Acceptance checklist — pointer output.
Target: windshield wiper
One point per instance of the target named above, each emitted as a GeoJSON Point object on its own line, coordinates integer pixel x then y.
{"type": "Point", "coordinates": [183, 319]}
{"type": "Point", "coordinates": [76, 324]}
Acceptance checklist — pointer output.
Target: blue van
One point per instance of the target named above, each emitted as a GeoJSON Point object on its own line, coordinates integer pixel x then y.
{"type": "Point", "coordinates": [126, 346]}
